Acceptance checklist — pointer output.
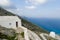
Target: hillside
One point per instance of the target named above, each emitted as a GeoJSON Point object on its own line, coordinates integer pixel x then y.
{"type": "Point", "coordinates": [25, 23]}
{"type": "Point", "coordinates": [38, 30]}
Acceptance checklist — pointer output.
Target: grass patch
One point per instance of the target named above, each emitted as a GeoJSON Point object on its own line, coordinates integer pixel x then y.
{"type": "Point", "coordinates": [22, 34]}
{"type": "Point", "coordinates": [3, 36]}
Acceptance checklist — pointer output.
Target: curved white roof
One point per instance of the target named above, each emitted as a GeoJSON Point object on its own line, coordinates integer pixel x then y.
{"type": "Point", "coordinates": [52, 34]}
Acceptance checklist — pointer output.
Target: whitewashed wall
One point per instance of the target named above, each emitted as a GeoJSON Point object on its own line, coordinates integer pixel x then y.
{"type": "Point", "coordinates": [9, 21]}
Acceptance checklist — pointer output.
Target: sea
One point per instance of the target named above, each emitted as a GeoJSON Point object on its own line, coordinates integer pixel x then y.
{"type": "Point", "coordinates": [49, 24]}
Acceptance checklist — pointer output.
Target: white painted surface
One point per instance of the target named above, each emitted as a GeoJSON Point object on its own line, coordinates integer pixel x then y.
{"type": "Point", "coordinates": [33, 35]}
{"type": "Point", "coordinates": [43, 36]}
{"type": "Point", "coordinates": [9, 21]}
{"type": "Point", "coordinates": [26, 34]}
{"type": "Point", "coordinates": [29, 34]}
{"type": "Point", "coordinates": [52, 34]}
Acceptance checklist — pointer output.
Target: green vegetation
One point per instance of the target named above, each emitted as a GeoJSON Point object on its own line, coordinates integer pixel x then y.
{"type": "Point", "coordinates": [22, 34]}
{"type": "Point", "coordinates": [5, 13]}
{"type": "Point", "coordinates": [33, 27]}
{"type": "Point", "coordinates": [3, 36]}
{"type": "Point", "coordinates": [6, 33]}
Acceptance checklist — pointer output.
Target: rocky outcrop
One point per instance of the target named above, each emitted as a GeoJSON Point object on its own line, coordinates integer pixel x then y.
{"type": "Point", "coordinates": [6, 33]}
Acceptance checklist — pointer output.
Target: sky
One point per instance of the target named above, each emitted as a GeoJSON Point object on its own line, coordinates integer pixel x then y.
{"type": "Point", "coordinates": [33, 8]}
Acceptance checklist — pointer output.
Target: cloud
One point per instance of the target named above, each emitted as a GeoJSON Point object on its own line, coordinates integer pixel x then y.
{"type": "Point", "coordinates": [4, 2]}
{"type": "Point", "coordinates": [41, 1]}
{"type": "Point", "coordinates": [36, 2]}
{"type": "Point", "coordinates": [30, 7]}
{"type": "Point", "coordinates": [8, 5]}
{"type": "Point", "coordinates": [17, 11]}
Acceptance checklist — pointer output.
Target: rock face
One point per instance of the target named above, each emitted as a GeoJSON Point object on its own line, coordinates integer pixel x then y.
{"type": "Point", "coordinates": [6, 33]}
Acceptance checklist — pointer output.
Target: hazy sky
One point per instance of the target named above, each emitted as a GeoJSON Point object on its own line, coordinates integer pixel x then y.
{"type": "Point", "coordinates": [33, 8]}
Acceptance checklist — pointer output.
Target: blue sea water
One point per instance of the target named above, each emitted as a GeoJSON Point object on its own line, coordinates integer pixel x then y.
{"type": "Point", "coordinates": [48, 24]}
